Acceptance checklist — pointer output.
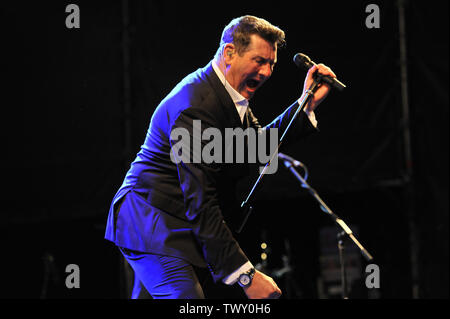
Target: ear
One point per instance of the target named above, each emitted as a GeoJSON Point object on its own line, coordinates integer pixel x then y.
{"type": "Point", "coordinates": [228, 53]}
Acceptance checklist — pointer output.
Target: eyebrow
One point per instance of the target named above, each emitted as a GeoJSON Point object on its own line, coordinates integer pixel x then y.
{"type": "Point", "coordinates": [266, 60]}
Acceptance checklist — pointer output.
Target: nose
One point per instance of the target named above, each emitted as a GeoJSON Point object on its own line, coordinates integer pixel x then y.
{"type": "Point", "coordinates": [266, 70]}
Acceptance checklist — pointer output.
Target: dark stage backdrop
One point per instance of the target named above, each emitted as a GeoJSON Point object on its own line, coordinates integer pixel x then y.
{"type": "Point", "coordinates": [77, 103]}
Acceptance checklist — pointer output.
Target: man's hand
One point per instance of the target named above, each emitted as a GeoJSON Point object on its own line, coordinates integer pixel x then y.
{"type": "Point", "coordinates": [323, 88]}
{"type": "Point", "coordinates": [262, 287]}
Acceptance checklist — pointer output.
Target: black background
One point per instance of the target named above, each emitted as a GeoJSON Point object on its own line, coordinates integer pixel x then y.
{"type": "Point", "coordinates": [66, 149]}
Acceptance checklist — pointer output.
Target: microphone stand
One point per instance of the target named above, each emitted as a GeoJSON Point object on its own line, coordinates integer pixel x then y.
{"type": "Point", "coordinates": [341, 238]}
{"type": "Point", "coordinates": [344, 234]}
{"type": "Point", "coordinates": [247, 208]}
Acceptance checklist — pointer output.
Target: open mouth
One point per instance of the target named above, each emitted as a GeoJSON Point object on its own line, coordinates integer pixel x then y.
{"type": "Point", "coordinates": [252, 83]}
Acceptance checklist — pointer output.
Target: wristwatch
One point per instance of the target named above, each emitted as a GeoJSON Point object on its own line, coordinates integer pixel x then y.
{"type": "Point", "coordinates": [245, 279]}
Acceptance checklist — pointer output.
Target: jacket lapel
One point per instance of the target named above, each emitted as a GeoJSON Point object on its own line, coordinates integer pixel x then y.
{"type": "Point", "coordinates": [225, 99]}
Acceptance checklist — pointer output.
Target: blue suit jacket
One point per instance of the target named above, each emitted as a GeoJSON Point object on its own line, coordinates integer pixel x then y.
{"type": "Point", "coordinates": [177, 209]}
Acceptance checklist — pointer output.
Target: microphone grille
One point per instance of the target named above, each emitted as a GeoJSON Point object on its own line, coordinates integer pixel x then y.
{"type": "Point", "coordinates": [302, 61]}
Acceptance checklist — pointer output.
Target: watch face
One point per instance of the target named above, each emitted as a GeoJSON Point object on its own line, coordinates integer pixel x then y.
{"type": "Point", "coordinates": [244, 280]}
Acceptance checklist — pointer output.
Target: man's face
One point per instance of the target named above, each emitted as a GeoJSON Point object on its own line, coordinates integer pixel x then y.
{"type": "Point", "coordinates": [248, 72]}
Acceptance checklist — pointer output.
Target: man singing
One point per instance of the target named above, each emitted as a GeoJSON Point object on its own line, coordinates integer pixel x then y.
{"type": "Point", "coordinates": [168, 215]}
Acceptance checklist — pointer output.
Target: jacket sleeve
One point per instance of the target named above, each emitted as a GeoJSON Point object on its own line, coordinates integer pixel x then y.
{"type": "Point", "coordinates": [199, 183]}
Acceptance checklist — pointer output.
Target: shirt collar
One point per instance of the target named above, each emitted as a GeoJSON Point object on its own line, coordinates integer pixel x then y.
{"type": "Point", "coordinates": [239, 101]}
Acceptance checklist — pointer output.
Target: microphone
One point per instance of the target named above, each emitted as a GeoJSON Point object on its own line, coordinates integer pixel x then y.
{"type": "Point", "coordinates": [304, 62]}
{"type": "Point", "coordinates": [289, 159]}
{"type": "Point", "coordinates": [289, 162]}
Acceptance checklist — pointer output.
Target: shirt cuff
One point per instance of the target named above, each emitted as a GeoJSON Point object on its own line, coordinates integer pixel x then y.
{"type": "Point", "coordinates": [311, 115]}
{"type": "Point", "coordinates": [233, 278]}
